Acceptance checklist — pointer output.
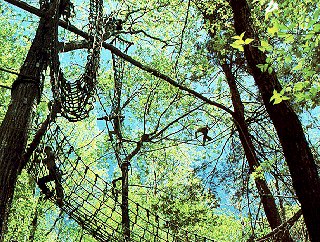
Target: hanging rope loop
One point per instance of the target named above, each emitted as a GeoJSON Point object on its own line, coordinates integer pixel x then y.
{"type": "Point", "coordinates": [77, 97]}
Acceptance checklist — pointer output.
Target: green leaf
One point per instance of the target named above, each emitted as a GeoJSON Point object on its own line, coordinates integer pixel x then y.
{"type": "Point", "coordinates": [316, 27]}
{"type": "Point", "coordinates": [288, 89]}
{"type": "Point", "coordinates": [236, 37]}
{"type": "Point", "coordinates": [248, 41]}
{"type": "Point", "coordinates": [241, 48]}
{"type": "Point", "coordinates": [275, 95]}
{"type": "Point", "coordinates": [297, 67]}
{"type": "Point", "coordinates": [289, 38]}
{"type": "Point", "coordinates": [267, 15]}
{"type": "Point", "coordinates": [298, 86]}
{"type": "Point", "coordinates": [277, 101]}
{"type": "Point", "coordinates": [272, 30]}
{"type": "Point", "coordinates": [263, 67]}
{"type": "Point", "coordinates": [239, 42]}
{"type": "Point", "coordinates": [313, 91]}
{"type": "Point", "coordinates": [260, 66]}
{"type": "Point", "coordinates": [265, 46]}
{"type": "Point", "coordinates": [278, 97]}
{"type": "Point", "coordinates": [300, 96]}
{"type": "Point", "coordinates": [309, 36]}
{"type": "Point", "coordinates": [264, 43]}
{"type": "Point", "coordinates": [237, 46]}
{"type": "Point", "coordinates": [288, 59]}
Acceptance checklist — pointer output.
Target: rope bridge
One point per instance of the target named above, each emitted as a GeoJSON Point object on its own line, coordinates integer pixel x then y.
{"type": "Point", "coordinates": [95, 203]}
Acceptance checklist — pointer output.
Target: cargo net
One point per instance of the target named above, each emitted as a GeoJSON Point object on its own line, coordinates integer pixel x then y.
{"type": "Point", "coordinates": [77, 97]}
{"type": "Point", "coordinates": [95, 204]}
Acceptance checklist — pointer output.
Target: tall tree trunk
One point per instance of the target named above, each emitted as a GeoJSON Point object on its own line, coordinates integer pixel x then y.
{"type": "Point", "coordinates": [25, 94]}
{"type": "Point", "coordinates": [267, 200]}
{"type": "Point", "coordinates": [34, 223]}
{"type": "Point", "coordinates": [299, 158]}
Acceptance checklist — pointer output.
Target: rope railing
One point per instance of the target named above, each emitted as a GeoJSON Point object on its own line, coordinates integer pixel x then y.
{"type": "Point", "coordinates": [87, 197]}
{"type": "Point", "coordinates": [90, 200]}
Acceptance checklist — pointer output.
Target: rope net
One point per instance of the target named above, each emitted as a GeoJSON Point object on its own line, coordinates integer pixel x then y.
{"type": "Point", "coordinates": [95, 204]}
{"type": "Point", "coordinates": [77, 97]}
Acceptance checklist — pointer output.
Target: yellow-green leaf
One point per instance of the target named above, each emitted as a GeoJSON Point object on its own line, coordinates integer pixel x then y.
{"type": "Point", "coordinates": [239, 42]}
{"type": "Point", "coordinates": [276, 97]}
{"type": "Point", "coordinates": [248, 41]}
{"type": "Point", "coordinates": [288, 59]}
{"type": "Point", "coordinates": [237, 46]}
{"type": "Point", "coordinates": [289, 38]}
{"type": "Point", "coordinates": [272, 30]}
{"type": "Point", "coordinates": [264, 43]}
{"type": "Point", "coordinates": [236, 37]}
{"type": "Point", "coordinates": [298, 86]}
{"type": "Point", "coordinates": [288, 89]}
{"type": "Point", "coordinates": [298, 67]}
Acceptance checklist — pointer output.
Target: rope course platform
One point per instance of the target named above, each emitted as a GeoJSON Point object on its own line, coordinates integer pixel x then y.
{"type": "Point", "coordinates": [91, 201]}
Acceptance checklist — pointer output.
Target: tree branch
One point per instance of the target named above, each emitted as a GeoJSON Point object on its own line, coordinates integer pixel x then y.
{"type": "Point", "coordinates": [124, 56]}
{"type": "Point", "coordinates": [6, 87]}
{"type": "Point", "coordinates": [73, 45]}
{"type": "Point", "coordinates": [286, 225]}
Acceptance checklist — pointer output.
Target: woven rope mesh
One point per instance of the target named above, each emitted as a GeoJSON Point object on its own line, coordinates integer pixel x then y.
{"type": "Point", "coordinates": [90, 200]}
{"type": "Point", "coordinates": [77, 97]}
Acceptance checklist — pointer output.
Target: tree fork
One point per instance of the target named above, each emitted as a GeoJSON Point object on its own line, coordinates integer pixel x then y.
{"type": "Point", "coordinates": [124, 56]}
{"type": "Point", "coordinates": [268, 201]}
{"type": "Point", "coordinates": [24, 97]}
{"type": "Point", "coordinates": [297, 152]}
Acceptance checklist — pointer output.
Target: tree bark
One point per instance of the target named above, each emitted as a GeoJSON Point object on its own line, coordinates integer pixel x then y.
{"type": "Point", "coordinates": [25, 94]}
{"type": "Point", "coordinates": [267, 199]}
{"type": "Point", "coordinates": [125, 202]}
{"type": "Point", "coordinates": [299, 158]}
{"type": "Point", "coordinates": [34, 223]}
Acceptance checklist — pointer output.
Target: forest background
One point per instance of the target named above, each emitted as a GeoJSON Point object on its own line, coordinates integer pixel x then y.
{"type": "Point", "coordinates": [248, 70]}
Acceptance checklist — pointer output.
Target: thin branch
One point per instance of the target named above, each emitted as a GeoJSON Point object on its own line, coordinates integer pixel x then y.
{"type": "Point", "coordinates": [55, 109]}
{"type": "Point", "coordinates": [6, 87]}
{"type": "Point", "coordinates": [164, 77]}
{"type": "Point", "coordinates": [176, 120]}
{"type": "Point", "coordinates": [16, 73]}
{"type": "Point", "coordinates": [137, 185]}
{"type": "Point", "coordinates": [182, 35]}
{"type": "Point", "coordinates": [124, 56]}
{"type": "Point", "coordinates": [165, 42]}
{"type": "Point", "coordinates": [281, 196]}
{"type": "Point", "coordinates": [284, 226]}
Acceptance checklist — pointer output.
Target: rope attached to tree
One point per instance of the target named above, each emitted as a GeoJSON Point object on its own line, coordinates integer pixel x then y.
{"type": "Point", "coordinates": [77, 97]}
{"type": "Point", "coordinates": [90, 200]}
